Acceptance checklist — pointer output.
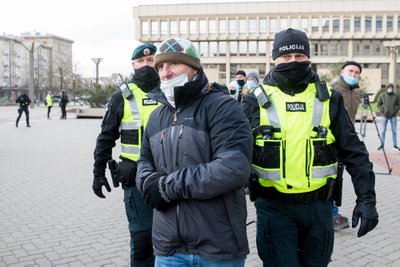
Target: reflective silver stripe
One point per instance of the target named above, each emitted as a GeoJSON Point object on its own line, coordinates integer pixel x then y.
{"type": "Point", "coordinates": [134, 108]}
{"type": "Point", "coordinates": [131, 125]}
{"type": "Point", "coordinates": [130, 149]}
{"type": "Point", "coordinates": [318, 112]}
{"type": "Point", "coordinates": [269, 174]}
{"type": "Point", "coordinates": [273, 115]}
{"type": "Point", "coordinates": [322, 172]}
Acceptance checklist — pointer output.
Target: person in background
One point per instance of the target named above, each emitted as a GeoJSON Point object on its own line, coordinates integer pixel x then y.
{"type": "Point", "coordinates": [240, 78]}
{"type": "Point", "coordinates": [63, 104]}
{"type": "Point", "coordinates": [126, 117]}
{"type": "Point", "coordinates": [185, 169]}
{"type": "Point", "coordinates": [24, 101]}
{"type": "Point", "coordinates": [389, 104]}
{"type": "Point", "coordinates": [251, 83]}
{"type": "Point", "coordinates": [347, 85]}
{"type": "Point", "coordinates": [303, 132]}
{"type": "Point", "coordinates": [49, 103]}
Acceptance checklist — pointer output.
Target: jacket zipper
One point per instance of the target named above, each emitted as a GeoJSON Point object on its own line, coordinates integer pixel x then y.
{"type": "Point", "coordinates": [162, 147]}
{"type": "Point", "coordinates": [308, 161]}
{"type": "Point", "coordinates": [284, 159]}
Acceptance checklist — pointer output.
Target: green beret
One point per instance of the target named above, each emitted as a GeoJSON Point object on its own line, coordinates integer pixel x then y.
{"type": "Point", "coordinates": [144, 50]}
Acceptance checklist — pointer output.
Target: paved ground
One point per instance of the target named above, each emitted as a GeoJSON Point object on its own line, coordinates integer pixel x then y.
{"type": "Point", "coordinates": [49, 215]}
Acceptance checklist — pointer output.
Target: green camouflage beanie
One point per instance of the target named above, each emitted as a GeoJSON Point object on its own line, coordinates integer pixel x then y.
{"type": "Point", "coordinates": [177, 50]}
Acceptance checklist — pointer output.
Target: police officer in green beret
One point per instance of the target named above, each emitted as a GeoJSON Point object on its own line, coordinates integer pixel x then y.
{"type": "Point", "coordinates": [125, 118]}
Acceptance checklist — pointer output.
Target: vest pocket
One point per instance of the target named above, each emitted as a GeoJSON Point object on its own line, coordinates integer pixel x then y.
{"type": "Point", "coordinates": [130, 137]}
{"type": "Point", "coordinates": [323, 154]}
{"type": "Point", "coordinates": [267, 153]}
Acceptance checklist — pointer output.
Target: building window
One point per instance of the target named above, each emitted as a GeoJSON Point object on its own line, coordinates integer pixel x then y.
{"type": "Point", "coordinates": [368, 23]}
{"type": "Point", "coordinates": [262, 48]}
{"type": "Point", "coordinates": [304, 24]}
{"type": "Point", "coordinates": [203, 49]}
{"type": "Point", "coordinates": [389, 23]}
{"type": "Point", "coordinates": [398, 24]}
{"type": "Point", "coordinates": [222, 48]}
{"type": "Point", "coordinates": [294, 23]}
{"type": "Point", "coordinates": [183, 27]}
{"type": "Point", "coordinates": [202, 26]}
{"type": "Point", "coordinates": [232, 26]}
{"type": "Point", "coordinates": [263, 26]}
{"type": "Point", "coordinates": [252, 25]}
{"type": "Point", "coordinates": [173, 27]}
{"type": "Point", "coordinates": [242, 26]}
{"type": "Point", "coordinates": [335, 24]}
{"type": "Point", "coordinates": [273, 25]}
{"type": "Point", "coordinates": [357, 24]}
{"type": "Point", "coordinates": [222, 26]}
{"type": "Point", "coordinates": [164, 27]}
{"type": "Point", "coordinates": [325, 24]}
{"type": "Point", "coordinates": [314, 25]}
{"type": "Point", "coordinates": [346, 24]}
{"type": "Point", "coordinates": [283, 24]}
{"type": "Point", "coordinates": [145, 28]}
{"type": "Point", "coordinates": [252, 48]}
{"type": "Point", "coordinates": [154, 28]}
{"type": "Point", "coordinates": [192, 27]}
{"type": "Point", "coordinates": [234, 48]}
{"type": "Point", "coordinates": [213, 49]}
{"type": "Point", "coordinates": [379, 26]}
{"type": "Point", "coordinates": [212, 26]}
{"type": "Point", "coordinates": [242, 48]}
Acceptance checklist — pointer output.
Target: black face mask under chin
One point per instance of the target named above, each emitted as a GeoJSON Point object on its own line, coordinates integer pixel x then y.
{"type": "Point", "coordinates": [293, 71]}
{"type": "Point", "coordinates": [146, 78]}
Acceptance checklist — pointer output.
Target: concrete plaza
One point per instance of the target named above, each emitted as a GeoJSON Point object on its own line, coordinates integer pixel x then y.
{"type": "Point", "coordinates": [49, 215]}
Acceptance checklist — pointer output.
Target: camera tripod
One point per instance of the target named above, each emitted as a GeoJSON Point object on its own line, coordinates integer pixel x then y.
{"type": "Point", "coordinates": [366, 106]}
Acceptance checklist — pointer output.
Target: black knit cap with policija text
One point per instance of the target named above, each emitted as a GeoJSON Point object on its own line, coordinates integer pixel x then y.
{"type": "Point", "coordinates": [290, 41]}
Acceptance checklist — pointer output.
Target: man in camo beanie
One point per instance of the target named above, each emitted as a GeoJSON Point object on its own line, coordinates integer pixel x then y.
{"type": "Point", "coordinates": [177, 50]}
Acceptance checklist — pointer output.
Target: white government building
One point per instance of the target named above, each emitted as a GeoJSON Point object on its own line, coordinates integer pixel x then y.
{"type": "Point", "coordinates": [239, 35]}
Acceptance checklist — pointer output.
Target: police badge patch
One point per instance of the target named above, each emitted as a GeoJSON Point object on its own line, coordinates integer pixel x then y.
{"type": "Point", "coordinates": [148, 102]}
{"type": "Point", "coordinates": [295, 106]}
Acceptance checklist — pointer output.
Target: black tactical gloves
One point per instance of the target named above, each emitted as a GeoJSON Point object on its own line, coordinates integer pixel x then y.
{"type": "Point", "coordinates": [154, 192]}
{"type": "Point", "coordinates": [98, 182]}
{"type": "Point", "coordinates": [366, 210]}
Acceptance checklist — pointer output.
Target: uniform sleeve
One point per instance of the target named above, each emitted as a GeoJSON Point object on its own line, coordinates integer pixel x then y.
{"type": "Point", "coordinates": [351, 148]}
{"type": "Point", "coordinates": [229, 168]}
{"type": "Point", "coordinates": [251, 109]}
{"type": "Point", "coordinates": [109, 133]}
{"type": "Point", "coordinates": [379, 104]}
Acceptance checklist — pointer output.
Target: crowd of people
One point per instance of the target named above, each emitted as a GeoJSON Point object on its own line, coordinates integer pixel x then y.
{"type": "Point", "coordinates": [286, 135]}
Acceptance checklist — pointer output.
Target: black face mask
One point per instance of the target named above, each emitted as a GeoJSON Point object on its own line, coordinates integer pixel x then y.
{"type": "Point", "coordinates": [146, 78]}
{"type": "Point", "coordinates": [294, 71]}
{"type": "Point", "coordinates": [240, 82]}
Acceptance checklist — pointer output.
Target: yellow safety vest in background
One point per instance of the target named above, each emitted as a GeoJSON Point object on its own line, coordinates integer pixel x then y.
{"type": "Point", "coordinates": [295, 159]}
{"type": "Point", "coordinates": [137, 111]}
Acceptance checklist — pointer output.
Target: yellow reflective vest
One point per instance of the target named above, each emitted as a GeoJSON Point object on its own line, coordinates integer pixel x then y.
{"type": "Point", "coordinates": [137, 111]}
{"type": "Point", "coordinates": [299, 155]}
{"type": "Point", "coordinates": [49, 100]}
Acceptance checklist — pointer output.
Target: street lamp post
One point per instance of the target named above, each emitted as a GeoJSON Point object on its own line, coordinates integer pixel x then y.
{"type": "Point", "coordinates": [97, 61]}
{"type": "Point", "coordinates": [393, 47]}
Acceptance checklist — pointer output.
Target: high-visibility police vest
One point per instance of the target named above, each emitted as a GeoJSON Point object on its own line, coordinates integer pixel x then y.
{"type": "Point", "coordinates": [137, 111]}
{"type": "Point", "coordinates": [49, 100]}
{"type": "Point", "coordinates": [299, 156]}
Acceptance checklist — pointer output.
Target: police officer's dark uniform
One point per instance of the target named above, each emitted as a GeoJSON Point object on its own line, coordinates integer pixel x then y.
{"type": "Point", "coordinates": [301, 131]}
{"type": "Point", "coordinates": [24, 102]}
{"type": "Point", "coordinates": [126, 117]}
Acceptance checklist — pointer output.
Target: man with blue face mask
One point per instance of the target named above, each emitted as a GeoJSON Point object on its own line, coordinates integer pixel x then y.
{"type": "Point", "coordinates": [185, 169]}
{"type": "Point", "coordinates": [347, 85]}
